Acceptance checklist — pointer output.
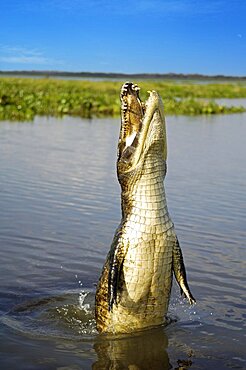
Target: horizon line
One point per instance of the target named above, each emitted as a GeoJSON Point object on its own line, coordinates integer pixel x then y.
{"type": "Point", "coordinates": [120, 74]}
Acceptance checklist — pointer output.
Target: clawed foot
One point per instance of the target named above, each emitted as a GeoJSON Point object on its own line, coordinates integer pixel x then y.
{"type": "Point", "coordinates": [189, 296]}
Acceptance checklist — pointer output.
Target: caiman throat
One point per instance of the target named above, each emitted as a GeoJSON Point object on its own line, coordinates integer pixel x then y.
{"type": "Point", "coordinates": [134, 288]}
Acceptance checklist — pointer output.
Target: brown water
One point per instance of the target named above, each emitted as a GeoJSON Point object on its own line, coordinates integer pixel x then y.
{"type": "Point", "coordinates": [59, 207]}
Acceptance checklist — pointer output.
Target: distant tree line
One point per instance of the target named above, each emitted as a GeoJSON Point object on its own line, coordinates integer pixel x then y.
{"type": "Point", "coordinates": [142, 76]}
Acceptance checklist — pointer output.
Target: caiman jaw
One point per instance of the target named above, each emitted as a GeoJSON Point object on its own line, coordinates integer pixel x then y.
{"type": "Point", "coordinates": [136, 118]}
{"type": "Point", "coordinates": [132, 113]}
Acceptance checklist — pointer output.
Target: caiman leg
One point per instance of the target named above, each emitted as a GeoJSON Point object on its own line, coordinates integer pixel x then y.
{"type": "Point", "coordinates": [180, 273]}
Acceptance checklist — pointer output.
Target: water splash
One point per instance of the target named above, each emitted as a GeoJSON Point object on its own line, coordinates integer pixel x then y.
{"type": "Point", "coordinates": [65, 315]}
{"type": "Point", "coordinates": [84, 306]}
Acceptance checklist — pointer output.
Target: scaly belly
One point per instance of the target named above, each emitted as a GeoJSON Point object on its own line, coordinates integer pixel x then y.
{"type": "Point", "coordinates": [145, 286]}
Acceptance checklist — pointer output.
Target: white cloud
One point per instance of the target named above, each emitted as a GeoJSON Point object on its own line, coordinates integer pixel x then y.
{"type": "Point", "coordinates": [21, 55]}
{"type": "Point", "coordinates": [24, 59]}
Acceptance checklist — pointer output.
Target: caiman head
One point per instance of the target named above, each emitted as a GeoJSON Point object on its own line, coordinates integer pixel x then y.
{"type": "Point", "coordinates": [142, 133]}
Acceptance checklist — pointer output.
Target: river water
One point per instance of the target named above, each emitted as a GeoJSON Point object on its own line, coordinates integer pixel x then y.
{"type": "Point", "coordinates": [59, 207]}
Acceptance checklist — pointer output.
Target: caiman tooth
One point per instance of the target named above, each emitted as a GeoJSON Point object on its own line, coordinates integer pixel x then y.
{"type": "Point", "coordinates": [124, 88]}
{"type": "Point", "coordinates": [135, 87]}
{"type": "Point", "coordinates": [128, 87]}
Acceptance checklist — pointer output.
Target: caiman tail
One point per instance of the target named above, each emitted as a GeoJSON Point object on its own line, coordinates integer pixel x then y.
{"type": "Point", "coordinates": [134, 288]}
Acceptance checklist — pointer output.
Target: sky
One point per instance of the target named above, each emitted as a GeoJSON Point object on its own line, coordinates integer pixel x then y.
{"type": "Point", "coordinates": [143, 36]}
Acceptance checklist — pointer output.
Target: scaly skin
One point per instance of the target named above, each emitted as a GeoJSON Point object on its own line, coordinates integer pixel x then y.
{"type": "Point", "coordinates": [135, 285]}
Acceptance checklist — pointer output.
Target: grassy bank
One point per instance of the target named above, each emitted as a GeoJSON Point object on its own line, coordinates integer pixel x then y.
{"type": "Point", "coordinates": [24, 98]}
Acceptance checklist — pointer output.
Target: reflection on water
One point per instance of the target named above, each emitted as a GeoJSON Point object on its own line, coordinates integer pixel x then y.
{"type": "Point", "coordinates": [145, 350]}
{"type": "Point", "coordinates": [59, 207]}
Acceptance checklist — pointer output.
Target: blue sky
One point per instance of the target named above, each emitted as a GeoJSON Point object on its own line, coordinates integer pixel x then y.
{"type": "Point", "coordinates": [150, 36]}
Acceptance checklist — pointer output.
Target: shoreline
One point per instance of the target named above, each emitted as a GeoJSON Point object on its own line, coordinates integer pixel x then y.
{"type": "Point", "coordinates": [22, 99]}
{"type": "Point", "coordinates": [124, 76]}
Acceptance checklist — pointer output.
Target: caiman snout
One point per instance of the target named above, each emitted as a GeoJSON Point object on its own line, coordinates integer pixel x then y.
{"type": "Point", "coordinates": [132, 108]}
{"type": "Point", "coordinates": [132, 115]}
{"type": "Point", "coordinates": [137, 121]}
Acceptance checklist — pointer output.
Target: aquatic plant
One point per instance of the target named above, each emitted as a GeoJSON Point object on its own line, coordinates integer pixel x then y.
{"type": "Point", "coordinates": [21, 99]}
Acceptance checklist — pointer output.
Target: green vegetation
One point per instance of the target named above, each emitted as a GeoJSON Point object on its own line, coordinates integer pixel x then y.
{"type": "Point", "coordinates": [22, 99]}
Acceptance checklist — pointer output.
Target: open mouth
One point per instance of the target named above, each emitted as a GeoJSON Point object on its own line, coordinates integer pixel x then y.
{"type": "Point", "coordinates": [132, 114]}
{"type": "Point", "coordinates": [132, 111]}
{"type": "Point", "coordinates": [136, 117]}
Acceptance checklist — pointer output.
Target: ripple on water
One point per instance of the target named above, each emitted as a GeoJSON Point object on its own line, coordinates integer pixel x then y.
{"type": "Point", "coordinates": [68, 315]}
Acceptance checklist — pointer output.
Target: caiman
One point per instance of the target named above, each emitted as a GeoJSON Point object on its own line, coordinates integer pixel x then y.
{"type": "Point", "coordinates": [134, 288]}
